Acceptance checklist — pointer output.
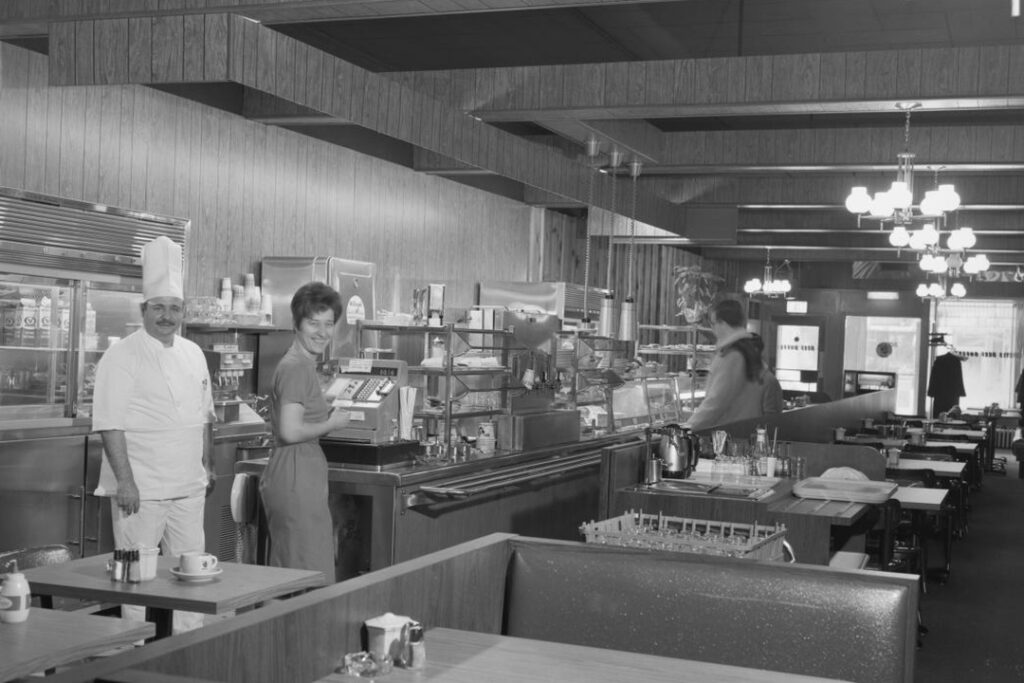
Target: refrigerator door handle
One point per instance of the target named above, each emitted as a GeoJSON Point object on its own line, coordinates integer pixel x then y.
{"type": "Point", "coordinates": [79, 495]}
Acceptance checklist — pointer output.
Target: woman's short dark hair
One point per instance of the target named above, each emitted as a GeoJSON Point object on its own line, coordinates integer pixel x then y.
{"type": "Point", "coordinates": [730, 312]}
{"type": "Point", "coordinates": [312, 298]}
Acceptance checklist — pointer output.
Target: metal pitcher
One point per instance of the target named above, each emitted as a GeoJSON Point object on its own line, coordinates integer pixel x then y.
{"type": "Point", "coordinates": [678, 450]}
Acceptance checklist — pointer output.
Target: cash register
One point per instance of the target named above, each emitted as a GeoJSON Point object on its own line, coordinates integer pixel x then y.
{"type": "Point", "coordinates": [368, 389]}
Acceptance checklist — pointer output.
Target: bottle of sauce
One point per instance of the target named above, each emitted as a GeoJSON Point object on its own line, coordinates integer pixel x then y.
{"type": "Point", "coordinates": [14, 598]}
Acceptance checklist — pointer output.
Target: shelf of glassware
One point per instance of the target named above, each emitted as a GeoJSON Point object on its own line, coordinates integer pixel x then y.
{"type": "Point", "coordinates": [595, 365]}
{"type": "Point", "coordinates": [461, 373]}
{"type": "Point", "coordinates": [698, 356]}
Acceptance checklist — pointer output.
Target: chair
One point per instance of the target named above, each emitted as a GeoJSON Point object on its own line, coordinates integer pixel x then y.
{"type": "Point", "coordinates": [894, 545]}
{"type": "Point", "coordinates": [38, 556]}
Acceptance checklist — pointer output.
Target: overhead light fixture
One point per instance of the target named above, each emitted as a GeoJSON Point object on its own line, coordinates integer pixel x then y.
{"type": "Point", "coordinates": [883, 296]}
{"type": "Point", "coordinates": [770, 286]}
{"type": "Point", "coordinates": [896, 205]}
{"type": "Point", "coordinates": [937, 290]}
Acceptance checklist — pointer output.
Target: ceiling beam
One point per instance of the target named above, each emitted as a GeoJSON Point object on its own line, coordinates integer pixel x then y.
{"type": "Point", "coordinates": [20, 18]}
{"type": "Point", "coordinates": [221, 48]}
{"type": "Point", "coordinates": [989, 77]}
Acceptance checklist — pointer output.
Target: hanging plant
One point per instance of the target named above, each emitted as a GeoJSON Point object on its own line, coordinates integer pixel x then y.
{"type": "Point", "coordinates": [696, 290]}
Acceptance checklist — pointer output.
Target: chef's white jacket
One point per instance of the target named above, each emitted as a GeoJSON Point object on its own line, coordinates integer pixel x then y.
{"type": "Point", "coordinates": [160, 397]}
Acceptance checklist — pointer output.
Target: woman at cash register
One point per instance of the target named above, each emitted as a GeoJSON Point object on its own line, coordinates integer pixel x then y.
{"type": "Point", "coordinates": [294, 486]}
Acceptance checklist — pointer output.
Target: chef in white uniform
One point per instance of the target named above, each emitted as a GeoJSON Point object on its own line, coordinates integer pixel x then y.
{"type": "Point", "coordinates": [153, 407]}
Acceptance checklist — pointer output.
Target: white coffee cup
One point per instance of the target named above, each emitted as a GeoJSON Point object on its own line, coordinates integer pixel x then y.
{"type": "Point", "coordinates": [197, 563]}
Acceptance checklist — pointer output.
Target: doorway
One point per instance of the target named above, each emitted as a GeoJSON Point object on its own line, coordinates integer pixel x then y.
{"type": "Point", "coordinates": [886, 344]}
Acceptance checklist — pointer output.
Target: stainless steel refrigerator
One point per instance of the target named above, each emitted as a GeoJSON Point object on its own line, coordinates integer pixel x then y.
{"type": "Point", "coordinates": [281, 276]}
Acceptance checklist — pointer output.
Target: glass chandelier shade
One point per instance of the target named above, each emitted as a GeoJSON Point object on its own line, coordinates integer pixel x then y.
{"type": "Point", "coordinates": [859, 200]}
{"type": "Point", "coordinates": [770, 286]}
{"type": "Point", "coordinates": [899, 237]}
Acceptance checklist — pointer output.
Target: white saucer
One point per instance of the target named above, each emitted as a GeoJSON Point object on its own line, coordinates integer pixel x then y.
{"type": "Point", "coordinates": [196, 576]}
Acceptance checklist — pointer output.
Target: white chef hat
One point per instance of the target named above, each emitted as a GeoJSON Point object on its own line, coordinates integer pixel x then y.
{"type": "Point", "coordinates": [161, 269]}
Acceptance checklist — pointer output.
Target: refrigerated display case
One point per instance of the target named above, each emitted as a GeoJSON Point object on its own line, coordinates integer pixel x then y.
{"type": "Point", "coordinates": [70, 286]}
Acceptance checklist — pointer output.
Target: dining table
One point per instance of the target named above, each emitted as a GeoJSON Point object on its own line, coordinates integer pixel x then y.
{"type": "Point", "coordinates": [236, 586]}
{"type": "Point", "coordinates": [456, 656]}
{"type": "Point", "coordinates": [51, 638]}
{"type": "Point", "coordinates": [921, 501]}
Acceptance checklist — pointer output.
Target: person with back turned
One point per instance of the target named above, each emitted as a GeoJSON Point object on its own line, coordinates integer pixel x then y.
{"type": "Point", "coordinates": [153, 408]}
{"type": "Point", "coordinates": [733, 390]}
{"type": "Point", "coordinates": [771, 391]}
{"type": "Point", "coordinates": [294, 487]}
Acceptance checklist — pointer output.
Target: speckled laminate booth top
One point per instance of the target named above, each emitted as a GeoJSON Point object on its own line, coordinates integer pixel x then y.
{"type": "Point", "coordinates": [808, 620]}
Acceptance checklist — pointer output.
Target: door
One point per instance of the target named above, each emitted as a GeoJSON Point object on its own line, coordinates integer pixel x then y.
{"type": "Point", "coordinates": [42, 492]}
{"type": "Point", "coordinates": [797, 356]}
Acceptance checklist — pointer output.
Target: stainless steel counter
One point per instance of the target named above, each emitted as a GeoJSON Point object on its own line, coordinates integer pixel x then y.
{"type": "Point", "coordinates": [388, 516]}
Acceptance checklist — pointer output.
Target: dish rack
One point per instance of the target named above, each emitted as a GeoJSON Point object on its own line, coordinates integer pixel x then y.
{"type": "Point", "coordinates": [682, 534]}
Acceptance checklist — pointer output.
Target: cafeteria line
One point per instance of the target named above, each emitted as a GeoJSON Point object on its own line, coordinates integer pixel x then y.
{"type": "Point", "coordinates": [543, 276]}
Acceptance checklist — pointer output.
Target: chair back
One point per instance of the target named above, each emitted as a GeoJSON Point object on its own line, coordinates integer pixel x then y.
{"type": "Point", "coordinates": [37, 556]}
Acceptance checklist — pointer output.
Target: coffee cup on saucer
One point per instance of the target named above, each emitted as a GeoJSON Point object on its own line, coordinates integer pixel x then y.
{"type": "Point", "coordinates": [197, 563]}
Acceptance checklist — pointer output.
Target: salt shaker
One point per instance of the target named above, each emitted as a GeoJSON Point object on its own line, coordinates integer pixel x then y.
{"type": "Point", "coordinates": [417, 654]}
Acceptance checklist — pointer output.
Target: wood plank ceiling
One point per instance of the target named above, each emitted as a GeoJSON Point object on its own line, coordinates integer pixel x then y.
{"type": "Point", "coordinates": [768, 109]}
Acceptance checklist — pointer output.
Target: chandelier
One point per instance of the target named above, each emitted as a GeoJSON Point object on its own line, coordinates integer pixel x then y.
{"type": "Point", "coordinates": [896, 205]}
{"type": "Point", "coordinates": [770, 286]}
{"type": "Point", "coordinates": [937, 290]}
{"type": "Point", "coordinates": [952, 260]}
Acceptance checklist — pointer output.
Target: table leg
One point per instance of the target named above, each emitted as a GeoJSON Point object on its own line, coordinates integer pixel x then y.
{"type": "Point", "coordinates": [164, 621]}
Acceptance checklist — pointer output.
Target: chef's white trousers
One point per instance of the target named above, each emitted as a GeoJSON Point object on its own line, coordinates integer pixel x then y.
{"type": "Point", "coordinates": [176, 525]}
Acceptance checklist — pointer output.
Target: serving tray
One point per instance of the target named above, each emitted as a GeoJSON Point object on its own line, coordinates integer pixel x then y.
{"type": "Point", "coordinates": [849, 490]}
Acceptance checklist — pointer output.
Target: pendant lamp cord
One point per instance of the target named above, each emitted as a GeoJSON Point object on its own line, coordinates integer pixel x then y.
{"type": "Point", "coordinates": [592, 149]}
{"type": "Point", "coordinates": [634, 171]}
{"type": "Point", "coordinates": [611, 233]}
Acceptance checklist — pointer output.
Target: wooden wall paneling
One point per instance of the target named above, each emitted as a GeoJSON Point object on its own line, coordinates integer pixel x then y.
{"type": "Point", "coordinates": [108, 143]}
{"type": "Point", "coordinates": [72, 148]}
{"type": "Point", "coordinates": [228, 177]}
{"type": "Point", "coordinates": [313, 89]}
{"type": "Point", "coordinates": [710, 76]}
{"type": "Point", "coordinates": [140, 50]}
{"type": "Point", "coordinates": [111, 51]}
{"type": "Point", "coordinates": [193, 47]}
{"type": "Point", "coordinates": [908, 73]}
{"type": "Point", "coordinates": [757, 78]}
{"type": "Point", "coordinates": [1015, 69]}
{"type": "Point", "coordinates": [265, 47]}
{"type": "Point", "coordinates": [160, 169]}
{"type": "Point", "coordinates": [284, 66]}
{"type": "Point", "coordinates": [938, 72]}
{"type": "Point", "coordinates": [616, 84]}
{"type": "Point", "coordinates": [244, 49]}
{"type": "Point", "coordinates": [207, 251]}
{"type": "Point", "coordinates": [795, 77]}
{"type": "Point", "coordinates": [84, 52]}
{"type": "Point", "coordinates": [14, 108]}
{"type": "Point", "coordinates": [61, 53]}
{"type": "Point", "coordinates": [215, 48]}
{"type": "Point", "coordinates": [881, 69]}
{"type": "Point", "coordinates": [168, 49]}
{"type": "Point", "coordinates": [52, 137]}
{"type": "Point", "coordinates": [141, 146]}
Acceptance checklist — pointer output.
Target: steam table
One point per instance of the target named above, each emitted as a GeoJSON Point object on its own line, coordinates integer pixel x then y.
{"type": "Point", "coordinates": [238, 586]}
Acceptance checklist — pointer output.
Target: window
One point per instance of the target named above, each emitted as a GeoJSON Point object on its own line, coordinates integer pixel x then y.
{"type": "Point", "coordinates": [986, 334]}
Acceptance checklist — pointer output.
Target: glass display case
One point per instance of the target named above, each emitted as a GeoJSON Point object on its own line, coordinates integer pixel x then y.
{"type": "Point", "coordinates": [35, 357]}
{"type": "Point", "coordinates": [53, 333]}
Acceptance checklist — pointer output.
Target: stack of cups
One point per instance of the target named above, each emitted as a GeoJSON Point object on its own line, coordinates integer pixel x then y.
{"type": "Point", "coordinates": [485, 438]}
